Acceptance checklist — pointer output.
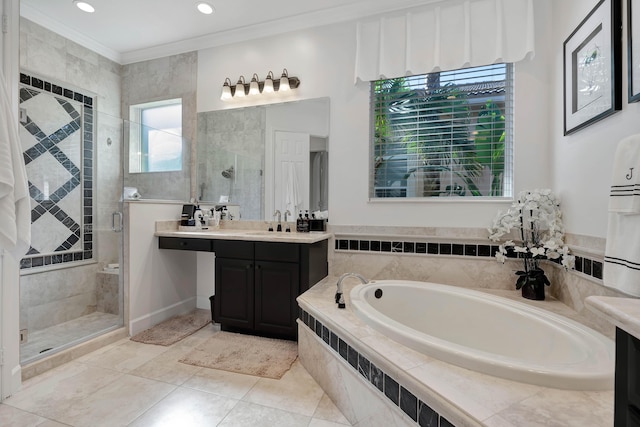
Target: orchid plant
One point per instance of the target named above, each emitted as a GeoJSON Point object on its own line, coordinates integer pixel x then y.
{"type": "Point", "coordinates": [536, 215]}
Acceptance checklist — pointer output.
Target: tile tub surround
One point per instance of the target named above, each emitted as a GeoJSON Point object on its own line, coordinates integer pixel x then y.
{"type": "Point", "coordinates": [458, 256]}
{"type": "Point", "coordinates": [463, 397]}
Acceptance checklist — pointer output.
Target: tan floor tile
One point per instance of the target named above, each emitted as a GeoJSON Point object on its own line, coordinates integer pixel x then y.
{"type": "Point", "coordinates": [126, 356]}
{"type": "Point", "coordinates": [296, 391]}
{"type": "Point", "coordinates": [10, 416]}
{"type": "Point", "coordinates": [186, 407]}
{"type": "Point", "coordinates": [249, 414]}
{"type": "Point", "coordinates": [117, 404]}
{"type": "Point", "coordinates": [222, 383]}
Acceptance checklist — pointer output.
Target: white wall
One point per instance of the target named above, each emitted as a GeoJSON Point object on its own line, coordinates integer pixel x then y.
{"type": "Point", "coordinates": [323, 58]}
{"type": "Point", "coordinates": [10, 371]}
{"type": "Point", "coordinates": [583, 162]}
{"type": "Point", "coordinates": [162, 283]}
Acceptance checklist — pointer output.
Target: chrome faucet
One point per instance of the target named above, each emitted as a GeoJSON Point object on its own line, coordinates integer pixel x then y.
{"type": "Point", "coordinates": [339, 293]}
{"type": "Point", "coordinates": [277, 213]}
{"type": "Point", "coordinates": [286, 214]}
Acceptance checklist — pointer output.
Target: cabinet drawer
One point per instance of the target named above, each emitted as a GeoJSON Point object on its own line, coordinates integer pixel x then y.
{"type": "Point", "coordinates": [277, 251]}
{"type": "Point", "coordinates": [184, 244]}
{"type": "Point", "coordinates": [233, 249]}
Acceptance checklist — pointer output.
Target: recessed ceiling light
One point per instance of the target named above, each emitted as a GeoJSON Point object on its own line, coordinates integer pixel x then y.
{"type": "Point", "coordinates": [205, 8]}
{"type": "Point", "coordinates": [84, 6]}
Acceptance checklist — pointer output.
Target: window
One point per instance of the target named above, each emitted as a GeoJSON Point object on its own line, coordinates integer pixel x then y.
{"type": "Point", "coordinates": [155, 143]}
{"type": "Point", "coordinates": [443, 134]}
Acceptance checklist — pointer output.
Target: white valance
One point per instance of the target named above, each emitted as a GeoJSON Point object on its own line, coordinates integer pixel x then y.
{"type": "Point", "coordinates": [444, 36]}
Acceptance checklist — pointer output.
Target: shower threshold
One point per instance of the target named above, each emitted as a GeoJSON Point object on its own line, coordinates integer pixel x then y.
{"type": "Point", "coordinates": [48, 341]}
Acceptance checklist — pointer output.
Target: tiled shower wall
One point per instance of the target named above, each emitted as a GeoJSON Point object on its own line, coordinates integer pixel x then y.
{"type": "Point", "coordinates": [463, 257]}
{"type": "Point", "coordinates": [48, 297]}
{"type": "Point", "coordinates": [159, 79]}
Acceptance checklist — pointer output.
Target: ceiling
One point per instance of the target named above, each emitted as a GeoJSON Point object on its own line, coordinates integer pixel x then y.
{"type": "Point", "coordinates": [128, 31]}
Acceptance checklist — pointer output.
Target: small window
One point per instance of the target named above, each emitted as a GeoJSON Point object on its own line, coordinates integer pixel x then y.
{"type": "Point", "coordinates": [443, 134]}
{"type": "Point", "coordinates": [155, 143]}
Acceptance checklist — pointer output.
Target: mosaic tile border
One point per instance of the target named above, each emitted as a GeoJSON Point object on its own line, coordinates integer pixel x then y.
{"type": "Point", "coordinates": [588, 266]}
{"type": "Point", "coordinates": [421, 413]}
{"type": "Point", "coordinates": [84, 232]}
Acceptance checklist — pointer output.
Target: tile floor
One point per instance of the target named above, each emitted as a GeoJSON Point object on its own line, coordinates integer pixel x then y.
{"type": "Point", "coordinates": [134, 384]}
{"type": "Point", "coordinates": [58, 336]}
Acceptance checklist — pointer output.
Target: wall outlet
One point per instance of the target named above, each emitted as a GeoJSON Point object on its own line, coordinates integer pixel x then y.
{"type": "Point", "coordinates": [23, 335]}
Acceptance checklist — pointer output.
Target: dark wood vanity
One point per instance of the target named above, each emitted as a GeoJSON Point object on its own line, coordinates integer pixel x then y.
{"type": "Point", "coordinates": [257, 281]}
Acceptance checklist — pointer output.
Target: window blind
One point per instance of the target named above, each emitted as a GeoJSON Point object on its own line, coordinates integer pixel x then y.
{"type": "Point", "coordinates": [444, 134]}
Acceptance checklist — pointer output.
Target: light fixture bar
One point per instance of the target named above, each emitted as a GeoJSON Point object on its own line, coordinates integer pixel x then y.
{"type": "Point", "coordinates": [258, 87]}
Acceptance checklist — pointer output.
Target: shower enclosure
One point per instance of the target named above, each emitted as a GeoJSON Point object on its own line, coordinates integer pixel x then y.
{"type": "Point", "coordinates": [71, 288]}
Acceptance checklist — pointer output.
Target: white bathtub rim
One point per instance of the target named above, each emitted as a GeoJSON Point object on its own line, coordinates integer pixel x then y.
{"type": "Point", "coordinates": [599, 376]}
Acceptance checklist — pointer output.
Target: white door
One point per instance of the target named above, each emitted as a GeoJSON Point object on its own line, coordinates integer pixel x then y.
{"type": "Point", "coordinates": [291, 172]}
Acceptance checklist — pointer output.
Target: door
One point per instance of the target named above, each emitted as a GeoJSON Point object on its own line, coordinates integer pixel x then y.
{"type": "Point", "coordinates": [233, 304]}
{"type": "Point", "coordinates": [291, 172]}
{"type": "Point", "coordinates": [277, 285]}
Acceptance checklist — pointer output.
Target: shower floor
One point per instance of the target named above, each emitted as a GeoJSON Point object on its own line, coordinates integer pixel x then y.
{"type": "Point", "coordinates": [40, 343]}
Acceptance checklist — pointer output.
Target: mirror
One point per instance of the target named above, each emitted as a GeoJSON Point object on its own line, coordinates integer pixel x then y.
{"type": "Point", "coordinates": [260, 159]}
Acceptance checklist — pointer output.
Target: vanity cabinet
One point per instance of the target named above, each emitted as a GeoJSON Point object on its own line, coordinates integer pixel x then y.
{"type": "Point", "coordinates": [257, 283]}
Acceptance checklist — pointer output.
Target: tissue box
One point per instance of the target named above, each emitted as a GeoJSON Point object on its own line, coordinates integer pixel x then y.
{"type": "Point", "coordinates": [317, 224]}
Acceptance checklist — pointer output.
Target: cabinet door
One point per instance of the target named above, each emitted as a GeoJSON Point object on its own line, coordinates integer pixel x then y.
{"type": "Point", "coordinates": [277, 285]}
{"type": "Point", "coordinates": [234, 297]}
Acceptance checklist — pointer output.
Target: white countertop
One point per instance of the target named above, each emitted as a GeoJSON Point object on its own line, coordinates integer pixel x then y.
{"type": "Point", "coordinates": [622, 312]}
{"type": "Point", "coordinates": [165, 229]}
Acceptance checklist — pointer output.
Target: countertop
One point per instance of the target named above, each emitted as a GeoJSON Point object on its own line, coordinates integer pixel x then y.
{"type": "Point", "coordinates": [250, 231]}
{"type": "Point", "coordinates": [622, 312]}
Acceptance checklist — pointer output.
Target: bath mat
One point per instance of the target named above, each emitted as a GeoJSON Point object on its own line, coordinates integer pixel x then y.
{"type": "Point", "coordinates": [173, 330]}
{"type": "Point", "coordinates": [245, 354]}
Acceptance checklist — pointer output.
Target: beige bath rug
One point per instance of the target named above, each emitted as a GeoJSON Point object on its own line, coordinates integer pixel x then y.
{"type": "Point", "coordinates": [173, 330]}
{"type": "Point", "coordinates": [245, 354]}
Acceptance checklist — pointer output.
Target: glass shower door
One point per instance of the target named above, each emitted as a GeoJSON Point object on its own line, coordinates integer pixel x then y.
{"type": "Point", "coordinates": [70, 281]}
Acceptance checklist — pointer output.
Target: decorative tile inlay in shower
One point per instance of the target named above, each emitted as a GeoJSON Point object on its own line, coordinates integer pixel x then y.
{"type": "Point", "coordinates": [57, 138]}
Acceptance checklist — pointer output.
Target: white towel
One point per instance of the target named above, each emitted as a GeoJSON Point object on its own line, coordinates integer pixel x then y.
{"type": "Point", "coordinates": [292, 191]}
{"type": "Point", "coordinates": [625, 184]}
{"type": "Point", "coordinates": [622, 252]}
{"type": "Point", "coordinates": [15, 209]}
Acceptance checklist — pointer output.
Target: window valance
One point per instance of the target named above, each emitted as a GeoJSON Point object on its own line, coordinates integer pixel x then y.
{"type": "Point", "coordinates": [444, 36]}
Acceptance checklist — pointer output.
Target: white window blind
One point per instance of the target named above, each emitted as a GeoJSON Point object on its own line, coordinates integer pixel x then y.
{"type": "Point", "coordinates": [444, 134]}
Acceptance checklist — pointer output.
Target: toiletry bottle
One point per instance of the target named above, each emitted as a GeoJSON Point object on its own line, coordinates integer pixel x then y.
{"type": "Point", "coordinates": [305, 222]}
{"type": "Point", "coordinates": [299, 223]}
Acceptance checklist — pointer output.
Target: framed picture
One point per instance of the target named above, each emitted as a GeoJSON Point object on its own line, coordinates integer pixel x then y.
{"type": "Point", "coordinates": [633, 51]}
{"type": "Point", "coordinates": [593, 67]}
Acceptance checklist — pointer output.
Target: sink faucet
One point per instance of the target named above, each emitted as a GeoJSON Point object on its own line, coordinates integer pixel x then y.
{"type": "Point", "coordinates": [339, 296]}
{"type": "Point", "coordinates": [286, 214]}
{"type": "Point", "coordinates": [277, 212]}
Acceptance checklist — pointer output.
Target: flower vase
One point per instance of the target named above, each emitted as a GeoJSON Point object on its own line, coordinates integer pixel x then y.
{"type": "Point", "coordinates": [534, 289]}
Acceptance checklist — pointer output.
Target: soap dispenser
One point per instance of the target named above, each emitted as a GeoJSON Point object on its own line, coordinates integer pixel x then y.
{"type": "Point", "coordinates": [305, 222]}
{"type": "Point", "coordinates": [299, 222]}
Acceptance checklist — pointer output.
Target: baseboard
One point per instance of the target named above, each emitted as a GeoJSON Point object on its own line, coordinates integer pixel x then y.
{"type": "Point", "coordinates": [203, 302]}
{"type": "Point", "coordinates": [141, 323]}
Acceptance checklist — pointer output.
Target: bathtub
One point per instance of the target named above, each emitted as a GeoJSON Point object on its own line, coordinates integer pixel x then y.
{"type": "Point", "coordinates": [488, 333]}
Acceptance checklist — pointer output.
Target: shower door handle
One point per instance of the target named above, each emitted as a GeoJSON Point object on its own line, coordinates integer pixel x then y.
{"type": "Point", "coordinates": [116, 226]}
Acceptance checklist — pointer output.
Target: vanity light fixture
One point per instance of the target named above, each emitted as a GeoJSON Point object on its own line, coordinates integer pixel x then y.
{"type": "Point", "coordinates": [257, 87]}
{"type": "Point", "coordinates": [226, 90]}
{"type": "Point", "coordinates": [204, 8]}
{"type": "Point", "coordinates": [239, 93]}
{"type": "Point", "coordinates": [284, 81]}
{"type": "Point", "coordinates": [84, 6]}
{"type": "Point", "coordinates": [254, 87]}
{"type": "Point", "coordinates": [268, 83]}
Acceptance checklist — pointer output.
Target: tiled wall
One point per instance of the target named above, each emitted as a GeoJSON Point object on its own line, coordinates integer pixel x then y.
{"type": "Point", "coordinates": [415, 409]}
{"type": "Point", "coordinates": [462, 257]}
{"type": "Point", "coordinates": [63, 291]}
{"type": "Point", "coordinates": [57, 138]}
{"type": "Point", "coordinates": [233, 138]}
{"type": "Point", "coordinates": [155, 80]}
